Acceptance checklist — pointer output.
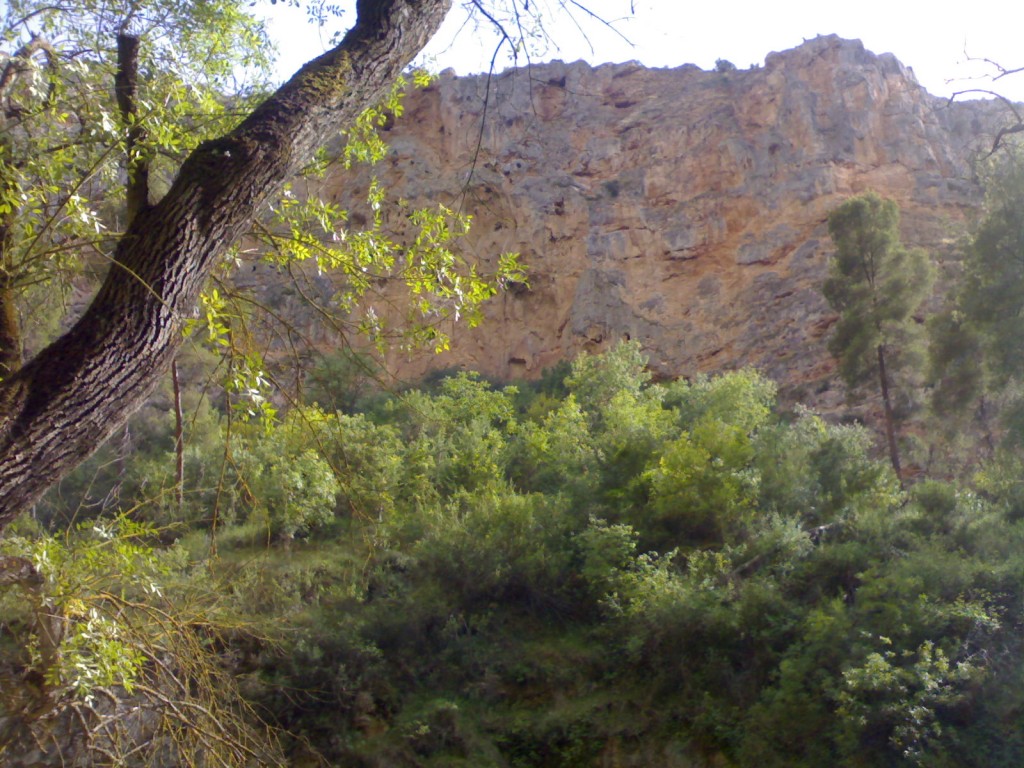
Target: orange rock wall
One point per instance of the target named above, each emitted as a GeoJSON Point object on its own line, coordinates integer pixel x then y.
{"type": "Point", "coordinates": [681, 208]}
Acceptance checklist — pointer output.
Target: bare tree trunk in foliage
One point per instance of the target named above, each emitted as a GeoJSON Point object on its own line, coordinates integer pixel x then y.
{"type": "Point", "coordinates": [10, 327]}
{"type": "Point", "coordinates": [126, 88]}
{"type": "Point", "coordinates": [179, 440]}
{"type": "Point", "coordinates": [10, 331]}
{"type": "Point", "coordinates": [66, 401]}
{"type": "Point", "coordinates": [890, 419]}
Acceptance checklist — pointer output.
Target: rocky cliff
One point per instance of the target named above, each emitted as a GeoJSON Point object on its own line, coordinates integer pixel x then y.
{"type": "Point", "coordinates": [682, 208]}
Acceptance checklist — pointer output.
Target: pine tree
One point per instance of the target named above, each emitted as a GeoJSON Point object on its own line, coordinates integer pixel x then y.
{"type": "Point", "coordinates": [992, 299]}
{"type": "Point", "coordinates": [875, 285]}
{"type": "Point", "coordinates": [977, 348]}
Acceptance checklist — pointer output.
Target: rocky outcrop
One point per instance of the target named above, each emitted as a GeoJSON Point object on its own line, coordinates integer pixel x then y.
{"type": "Point", "coordinates": [682, 208]}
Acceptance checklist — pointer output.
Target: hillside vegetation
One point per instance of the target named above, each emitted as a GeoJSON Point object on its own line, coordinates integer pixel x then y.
{"type": "Point", "coordinates": [591, 570]}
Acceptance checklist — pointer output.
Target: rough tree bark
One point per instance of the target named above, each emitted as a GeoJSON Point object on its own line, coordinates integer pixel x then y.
{"type": "Point", "coordinates": [61, 405]}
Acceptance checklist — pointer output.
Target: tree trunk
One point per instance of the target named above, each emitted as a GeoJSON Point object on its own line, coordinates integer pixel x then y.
{"type": "Point", "coordinates": [10, 332]}
{"type": "Point", "coordinates": [179, 440]}
{"type": "Point", "coordinates": [61, 405]}
{"type": "Point", "coordinates": [890, 419]}
{"type": "Point", "coordinates": [10, 327]}
{"type": "Point", "coordinates": [126, 89]}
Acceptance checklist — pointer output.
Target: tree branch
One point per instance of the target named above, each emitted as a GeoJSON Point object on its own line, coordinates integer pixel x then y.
{"type": "Point", "coordinates": [18, 63]}
{"type": "Point", "coordinates": [65, 402]}
{"type": "Point", "coordinates": [126, 89]}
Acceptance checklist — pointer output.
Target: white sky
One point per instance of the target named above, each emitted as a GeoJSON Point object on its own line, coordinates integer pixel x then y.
{"type": "Point", "coordinates": [931, 36]}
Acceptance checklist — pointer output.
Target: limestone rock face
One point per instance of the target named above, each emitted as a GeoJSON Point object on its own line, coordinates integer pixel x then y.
{"type": "Point", "coordinates": [681, 208]}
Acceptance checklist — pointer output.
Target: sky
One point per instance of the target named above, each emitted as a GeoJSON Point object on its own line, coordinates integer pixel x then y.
{"type": "Point", "coordinates": [934, 37]}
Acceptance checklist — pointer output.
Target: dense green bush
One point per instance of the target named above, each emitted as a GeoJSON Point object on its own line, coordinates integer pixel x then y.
{"type": "Point", "coordinates": [609, 572]}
